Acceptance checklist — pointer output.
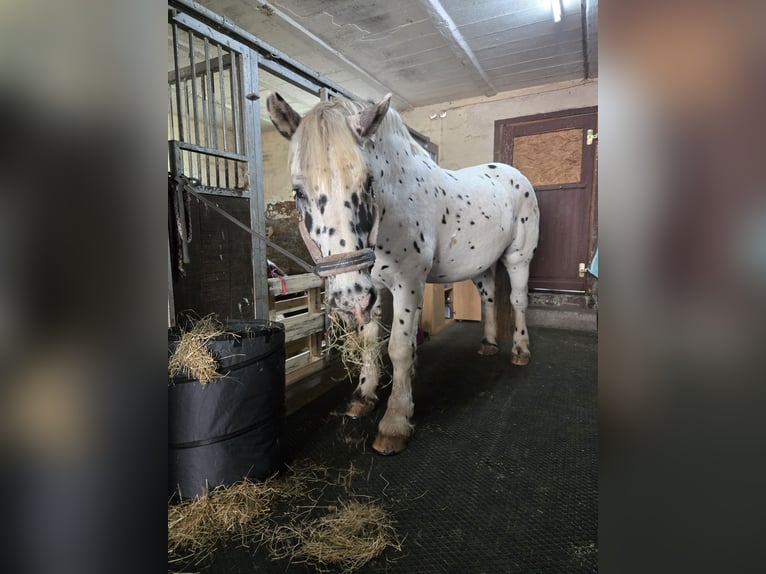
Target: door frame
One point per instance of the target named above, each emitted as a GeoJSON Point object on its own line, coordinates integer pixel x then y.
{"type": "Point", "coordinates": [503, 147]}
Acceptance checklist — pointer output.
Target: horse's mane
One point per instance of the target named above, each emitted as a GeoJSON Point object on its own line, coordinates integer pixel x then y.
{"type": "Point", "coordinates": [324, 140]}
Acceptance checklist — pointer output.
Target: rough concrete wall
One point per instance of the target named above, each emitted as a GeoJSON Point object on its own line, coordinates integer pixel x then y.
{"type": "Point", "coordinates": [282, 229]}
{"type": "Point", "coordinates": [276, 177]}
{"type": "Point", "coordinates": [281, 217]}
{"type": "Point", "coordinates": [466, 134]}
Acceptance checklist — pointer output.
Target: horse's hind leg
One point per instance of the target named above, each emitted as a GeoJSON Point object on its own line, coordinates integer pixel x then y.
{"type": "Point", "coordinates": [518, 271]}
{"type": "Point", "coordinates": [485, 283]}
{"type": "Point", "coordinates": [364, 399]}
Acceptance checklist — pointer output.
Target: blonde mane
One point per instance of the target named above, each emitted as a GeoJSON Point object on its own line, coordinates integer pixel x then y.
{"type": "Point", "coordinates": [324, 142]}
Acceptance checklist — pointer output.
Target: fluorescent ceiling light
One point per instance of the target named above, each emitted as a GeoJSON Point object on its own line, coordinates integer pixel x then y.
{"type": "Point", "coordinates": [556, 6]}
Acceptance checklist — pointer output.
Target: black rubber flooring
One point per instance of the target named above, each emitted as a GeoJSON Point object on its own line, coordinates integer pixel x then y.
{"type": "Point", "coordinates": [501, 474]}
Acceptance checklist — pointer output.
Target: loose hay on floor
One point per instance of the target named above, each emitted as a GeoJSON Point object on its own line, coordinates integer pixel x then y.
{"type": "Point", "coordinates": [349, 534]}
{"type": "Point", "coordinates": [346, 537]}
{"type": "Point", "coordinates": [192, 357]}
{"type": "Point", "coordinates": [197, 526]}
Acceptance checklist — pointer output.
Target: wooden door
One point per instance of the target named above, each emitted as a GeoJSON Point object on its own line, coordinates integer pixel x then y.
{"type": "Point", "coordinates": [555, 153]}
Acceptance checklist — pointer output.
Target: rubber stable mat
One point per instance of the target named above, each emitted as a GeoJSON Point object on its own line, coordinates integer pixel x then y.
{"type": "Point", "coordinates": [501, 474]}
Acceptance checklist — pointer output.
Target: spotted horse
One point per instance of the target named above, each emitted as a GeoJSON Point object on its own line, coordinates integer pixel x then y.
{"type": "Point", "coordinates": [371, 197]}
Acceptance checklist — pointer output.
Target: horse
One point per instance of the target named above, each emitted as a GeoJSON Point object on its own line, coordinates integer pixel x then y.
{"type": "Point", "coordinates": [379, 213]}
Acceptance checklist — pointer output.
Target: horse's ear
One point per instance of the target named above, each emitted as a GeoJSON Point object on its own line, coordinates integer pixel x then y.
{"type": "Point", "coordinates": [367, 121]}
{"type": "Point", "coordinates": [284, 118]}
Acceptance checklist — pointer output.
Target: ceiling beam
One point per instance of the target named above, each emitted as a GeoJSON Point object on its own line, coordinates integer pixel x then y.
{"type": "Point", "coordinates": [337, 54]}
{"type": "Point", "coordinates": [589, 21]}
{"type": "Point", "coordinates": [449, 31]}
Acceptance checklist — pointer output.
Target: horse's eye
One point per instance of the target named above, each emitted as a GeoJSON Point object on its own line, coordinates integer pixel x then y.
{"type": "Point", "coordinates": [298, 193]}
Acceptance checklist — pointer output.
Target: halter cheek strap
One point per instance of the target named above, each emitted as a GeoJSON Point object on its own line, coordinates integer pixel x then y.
{"type": "Point", "coordinates": [341, 262]}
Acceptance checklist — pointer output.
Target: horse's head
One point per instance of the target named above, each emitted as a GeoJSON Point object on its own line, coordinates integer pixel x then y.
{"type": "Point", "coordinates": [335, 194]}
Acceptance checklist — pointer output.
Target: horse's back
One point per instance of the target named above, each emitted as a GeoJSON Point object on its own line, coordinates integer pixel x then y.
{"type": "Point", "coordinates": [478, 219]}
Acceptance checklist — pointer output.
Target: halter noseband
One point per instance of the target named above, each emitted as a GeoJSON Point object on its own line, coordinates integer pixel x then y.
{"type": "Point", "coordinates": [341, 262]}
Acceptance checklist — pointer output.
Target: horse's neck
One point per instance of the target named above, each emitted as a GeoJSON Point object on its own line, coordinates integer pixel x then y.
{"type": "Point", "coordinates": [404, 175]}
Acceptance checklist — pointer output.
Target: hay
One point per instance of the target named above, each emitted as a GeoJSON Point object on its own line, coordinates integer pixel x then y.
{"type": "Point", "coordinates": [197, 526]}
{"type": "Point", "coordinates": [192, 358]}
{"type": "Point", "coordinates": [347, 537]}
{"type": "Point", "coordinates": [352, 346]}
{"type": "Point", "coordinates": [286, 516]}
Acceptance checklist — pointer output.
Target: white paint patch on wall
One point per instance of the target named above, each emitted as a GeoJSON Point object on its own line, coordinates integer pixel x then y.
{"type": "Point", "coordinates": [466, 134]}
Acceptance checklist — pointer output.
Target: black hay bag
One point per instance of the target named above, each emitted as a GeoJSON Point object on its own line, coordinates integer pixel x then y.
{"type": "Point", "coordinates": [231, 428]}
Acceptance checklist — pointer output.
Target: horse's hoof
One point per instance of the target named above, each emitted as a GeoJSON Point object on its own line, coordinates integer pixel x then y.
{"type": "Point", "coordinates": [358, 409]}
{"type": "Point", "coordinates": [519, 360]}
{"type": "Point", "coordinates": [389, 444]}
{"type": "Point", "coordinates": [488, 350]}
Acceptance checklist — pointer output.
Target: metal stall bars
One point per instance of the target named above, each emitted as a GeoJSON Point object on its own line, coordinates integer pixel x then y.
{"type": "Point", "coordinates": [213, 115]}
{"type": "Point", "coordinates": [214, 140]}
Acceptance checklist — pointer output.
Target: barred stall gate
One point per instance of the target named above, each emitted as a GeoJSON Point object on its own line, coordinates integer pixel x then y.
{"type": "Point", "coordinates": [214, 144]}
{"type": "Point", "coordinates": [215, 73]}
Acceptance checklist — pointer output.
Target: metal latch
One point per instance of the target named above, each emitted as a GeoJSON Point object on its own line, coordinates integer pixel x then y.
{"type": "Point", "coordinates": [590, 136]}
{"type": "Point", "coordinates": [581, 270]}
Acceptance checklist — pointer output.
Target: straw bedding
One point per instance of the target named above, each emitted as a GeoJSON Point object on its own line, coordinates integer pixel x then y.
{"type": "Point", "coordinates": [288, 517]}
{"type": "Point", "coordinates": [192, 357]}
{"type": "Point", "coordinates": [347, 536]}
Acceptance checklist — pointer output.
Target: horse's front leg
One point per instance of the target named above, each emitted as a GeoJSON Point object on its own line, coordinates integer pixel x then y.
{"type": "Point", "coordinates": [364, 398]}
{"type": "Point", "coordinates": [395, 428]}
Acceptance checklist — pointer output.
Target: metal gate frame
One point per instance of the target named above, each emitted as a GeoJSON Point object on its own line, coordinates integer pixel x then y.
{"type": "Point", "coordinates": [256, 55]}
{"type": "Point", "coordinates": [191, 18]}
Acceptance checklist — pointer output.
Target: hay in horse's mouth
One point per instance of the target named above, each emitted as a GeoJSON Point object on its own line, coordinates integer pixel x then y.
{"type": "Point", "coordinates": [353, 347]}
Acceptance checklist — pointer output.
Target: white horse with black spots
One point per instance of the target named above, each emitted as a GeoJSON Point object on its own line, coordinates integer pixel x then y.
{"type": "Point", "coordinates": [361, 181]}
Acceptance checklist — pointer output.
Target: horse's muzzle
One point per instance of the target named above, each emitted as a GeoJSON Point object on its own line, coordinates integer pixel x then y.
{"type": "Point", "coordinates": [354, 306]}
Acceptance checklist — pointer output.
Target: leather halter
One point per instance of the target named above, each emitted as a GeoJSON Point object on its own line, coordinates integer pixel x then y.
{"type": "Point", "coordinates": [341, 262]}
